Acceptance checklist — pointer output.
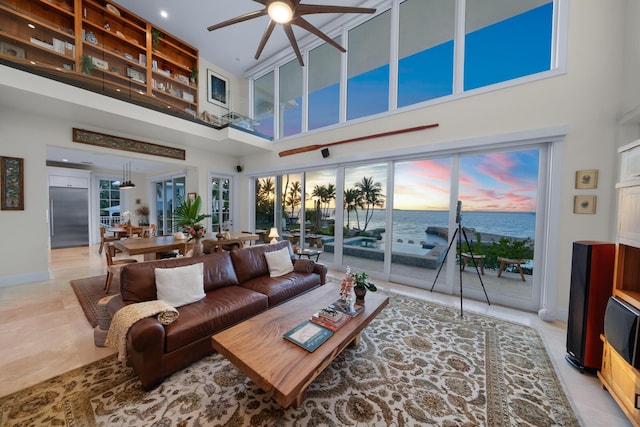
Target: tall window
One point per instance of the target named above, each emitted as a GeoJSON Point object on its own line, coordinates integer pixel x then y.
{"type": "Point", "coordinates": [109, 201]}
{"type": "Point", "coordinates": [320, 207]}
{"type": "Point", "coordinates": [290, 99]}
{"type": "Point", "coordinates": [265, 199]}
{"type": "Point", "coordinates": [425, 67]}
{"type": "Point", "coordinates": [421, 198]}
{"type": "Point", "coordinates": [365, 193]}
{"type": "Point", "coordinates": [506, 40]}
{"type": "Point", "coordinates": [368, 67]}
{"type": "Point", "coordinates": [324, 86]}
{"type": "Point", "coordinates": [263, 102]}
{"type": "Point", "coordinates": [169, 194]}
{"type": "Point", "coordinates": [220, 207]}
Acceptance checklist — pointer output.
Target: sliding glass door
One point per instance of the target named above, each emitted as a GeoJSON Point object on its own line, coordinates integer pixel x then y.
{"type": "Point", "coordinates": [421, 199]}
{"type": "Point", "coordinates": [170, 193]}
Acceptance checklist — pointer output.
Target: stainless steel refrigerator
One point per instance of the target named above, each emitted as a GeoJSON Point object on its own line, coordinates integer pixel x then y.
{"type": "Point", "coordinates": [68, 217]}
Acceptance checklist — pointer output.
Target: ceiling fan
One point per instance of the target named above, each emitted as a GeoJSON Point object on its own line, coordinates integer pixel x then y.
{"type": "Point", "coordinates": [287, 13]}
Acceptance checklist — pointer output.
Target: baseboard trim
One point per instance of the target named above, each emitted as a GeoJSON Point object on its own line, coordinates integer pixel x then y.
{"type": "Point", "coordinates": [19, 279]}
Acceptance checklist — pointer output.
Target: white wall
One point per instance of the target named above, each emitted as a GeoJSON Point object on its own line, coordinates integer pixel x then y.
{"type": "Point", "coordinates": [24, 252]}
{"type": "Point", "coordinates": [586, 100]}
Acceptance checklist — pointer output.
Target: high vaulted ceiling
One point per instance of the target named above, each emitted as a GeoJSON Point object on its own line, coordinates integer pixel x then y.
{"type": "Point", "coordinates": [231, 48]}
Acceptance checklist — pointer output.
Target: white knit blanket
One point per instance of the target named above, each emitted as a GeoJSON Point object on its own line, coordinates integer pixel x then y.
{"type": "Point", "coordinates": [130, 314]}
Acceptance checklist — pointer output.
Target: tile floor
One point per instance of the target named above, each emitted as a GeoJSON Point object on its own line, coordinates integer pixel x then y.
{"type": "Point", "coordinates": [43, 332]}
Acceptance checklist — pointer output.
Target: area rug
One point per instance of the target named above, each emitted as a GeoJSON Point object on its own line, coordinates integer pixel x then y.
{"type": "Point", "coordinates": [89, 291]}
{"type": "Point", "coordinates": [418, 363]}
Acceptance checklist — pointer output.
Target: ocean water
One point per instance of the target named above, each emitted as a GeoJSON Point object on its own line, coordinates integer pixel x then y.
{"type": "Point", "coordinates": [412, 224]}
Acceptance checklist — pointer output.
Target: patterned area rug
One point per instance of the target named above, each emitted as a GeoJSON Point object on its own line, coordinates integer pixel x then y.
{"type": "Point", "coordinates": [417, 364]}
{"type": "Point", "coordinates": [91, 290]}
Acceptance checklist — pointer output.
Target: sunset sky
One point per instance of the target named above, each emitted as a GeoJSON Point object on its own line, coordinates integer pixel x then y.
{"type": "Point", "coordinates": [503, 181]}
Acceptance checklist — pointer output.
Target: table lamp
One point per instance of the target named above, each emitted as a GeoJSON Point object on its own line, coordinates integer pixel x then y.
{"type": "Point", "coordinates": [274, 235]}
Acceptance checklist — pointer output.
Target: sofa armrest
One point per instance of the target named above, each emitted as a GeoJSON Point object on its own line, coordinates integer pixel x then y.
{"type": "Point", "coordinates": [321, 269]}
{"type": "Point", "coordinates": [145, 348]}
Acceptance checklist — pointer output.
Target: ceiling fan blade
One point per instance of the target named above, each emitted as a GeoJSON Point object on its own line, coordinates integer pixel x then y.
{"type": "Point", "coordinates": [305, 9]}
{"type": "Point", "coordinates": [265, 37]}
{"type": "Point", "coordinates": [294, 44]}
{"type": "Point", "coordinates": [264, 2]}
{"type": "Point", "coordinates": [242, 18]}
{"type": "Point", "coordinates": [303, 23]}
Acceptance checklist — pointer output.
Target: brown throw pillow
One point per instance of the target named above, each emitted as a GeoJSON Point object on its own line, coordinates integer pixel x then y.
{"type": "Point", "coordinates": [304, 266]}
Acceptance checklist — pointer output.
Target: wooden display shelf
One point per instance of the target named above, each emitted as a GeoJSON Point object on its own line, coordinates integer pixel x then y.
{"type": "Point", "coordinates": [101, 34]}
{"type": "Point", "coordinates": [26, 18]}
{"type": "Point", "coordinates": [124, 43]}
{"type": "Point", "coordinates": [97, 11]}
{"type": "Point", "coordinates": [116, 55]}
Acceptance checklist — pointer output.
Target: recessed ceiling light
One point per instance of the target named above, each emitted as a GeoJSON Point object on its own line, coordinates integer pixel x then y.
{"type": "Point", "coordinates": [164, 14]}
{"type": "Point", "coordinates": [65, 160]}
{"type": "Point", "coordinates": [30, 25]}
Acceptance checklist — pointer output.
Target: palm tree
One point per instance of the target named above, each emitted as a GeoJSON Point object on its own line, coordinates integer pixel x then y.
{"type": "Point", "coordinates": [373, 197]}
{"type": "Point", "coordinates": [293, 197]}
{"type": "Point", "coordinates": [265, 191]}
{"type": "Point", "coordinates": [353, 200]}
{"type": "Point", "coordinates": [325, 194]}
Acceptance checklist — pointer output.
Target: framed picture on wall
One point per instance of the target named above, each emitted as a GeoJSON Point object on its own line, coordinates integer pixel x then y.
{"type": "Point", "coordinates": [12, 178]}
{"type": "Point", "coordinates": [217, 89]}
{"type": "Point", "coordinates": [586, 179]}
{"type": "Point", "coordinates": [584, 204]}
{"type": "Point", "coordinates": [192, 196]}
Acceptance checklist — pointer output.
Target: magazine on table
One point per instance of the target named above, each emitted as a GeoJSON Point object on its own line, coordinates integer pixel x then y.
{"type": "Point", "coordinates": [308, 335]}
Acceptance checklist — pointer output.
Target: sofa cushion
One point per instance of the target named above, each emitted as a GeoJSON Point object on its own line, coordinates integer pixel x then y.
{"type": "Point", "coordinates": [218, 310]}
{"type": "Point", "coordinates": [249, 262]}
{"type": "Point", "coordinates": [180, 286]}
{"type": "Point", "coordinates": [279, 262]}
{"type": "Point", "coordinates": [280, 289]}
{"type": "Point", "coordinates": [138, 284]}
{"type": "Point", "coordinates": [304, 265]}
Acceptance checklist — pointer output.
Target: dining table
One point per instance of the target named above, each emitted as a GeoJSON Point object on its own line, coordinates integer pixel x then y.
{"type": "Point", "coordinates": [123, 231]}
{"type": "Point", "coordinates": [152, 247]}
{"type": "Point", "coordinates": [235, 239]}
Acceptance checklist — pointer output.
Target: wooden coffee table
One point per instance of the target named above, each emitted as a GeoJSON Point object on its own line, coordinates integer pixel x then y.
{"type": "Point", "coordinates": [279, 367]}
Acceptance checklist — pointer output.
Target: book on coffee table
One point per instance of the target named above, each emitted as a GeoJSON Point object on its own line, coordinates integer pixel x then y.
{"type": "Point", "coordinates": [352, 309]}
{"type": "Point", "coordinates": [317, 318]}
{"type": "Point", "coordinates": [308, 335]}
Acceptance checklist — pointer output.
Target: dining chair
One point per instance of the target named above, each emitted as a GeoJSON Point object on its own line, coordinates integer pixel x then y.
{"type": "Point", "coordinates": [150, 231]}
{"type": "Point", "coordinates": [113, 265]}
{"type": "Point", "coordinates": [104, 239]}
{"type": "Point", "coordinates": [248, 242]}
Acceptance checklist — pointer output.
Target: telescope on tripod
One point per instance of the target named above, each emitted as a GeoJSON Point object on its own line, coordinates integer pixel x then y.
{"type": "Point", "coordinates": [460, 233]}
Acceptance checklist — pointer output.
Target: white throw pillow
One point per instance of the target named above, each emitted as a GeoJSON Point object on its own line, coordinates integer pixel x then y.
{"type": "Point", "coordinates": [279, 262]}
{"type": "Point", "coordinates": [180, 286]}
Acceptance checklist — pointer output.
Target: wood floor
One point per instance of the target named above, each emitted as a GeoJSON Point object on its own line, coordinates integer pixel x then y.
{"type": "Point", "coordinates": [43, 332]}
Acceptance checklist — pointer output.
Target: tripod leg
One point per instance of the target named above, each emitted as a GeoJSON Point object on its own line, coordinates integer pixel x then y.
{"type": "Point", "coordinates": [464, 233]}
{"type": "Point", "coordinates": [453, 239]}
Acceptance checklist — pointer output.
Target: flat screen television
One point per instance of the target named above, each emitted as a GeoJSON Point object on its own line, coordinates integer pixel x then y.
{"type": "Point", "coordinates": [621, 329]}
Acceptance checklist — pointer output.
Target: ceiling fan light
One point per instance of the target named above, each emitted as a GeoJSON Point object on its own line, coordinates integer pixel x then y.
{"type": "Point", "coordinates": [280, 12]}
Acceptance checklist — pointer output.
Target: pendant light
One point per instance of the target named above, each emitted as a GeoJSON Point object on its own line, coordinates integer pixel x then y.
{"type": "Point", "coordinates": [126, 177]}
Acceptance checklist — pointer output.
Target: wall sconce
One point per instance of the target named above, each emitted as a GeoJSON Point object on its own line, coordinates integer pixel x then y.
{"type": "Point", "coordinates": [274, 235]}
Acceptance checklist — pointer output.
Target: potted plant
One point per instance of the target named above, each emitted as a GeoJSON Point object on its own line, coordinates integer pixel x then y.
{"type": "Point", "coordinates": [186, 218]}
{"type": "Point", "coordinates": [361, 286]}
{"type": "Point", "coordinates": [86, 64]}
{"type": "Point", "coordinates": [187, 214]}
{"type": "Point", "coordinates": [143, 212]}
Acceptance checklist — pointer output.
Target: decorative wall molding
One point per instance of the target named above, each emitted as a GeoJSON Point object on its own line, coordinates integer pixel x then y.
{"type": "Point", "coordinates": [118, 143]}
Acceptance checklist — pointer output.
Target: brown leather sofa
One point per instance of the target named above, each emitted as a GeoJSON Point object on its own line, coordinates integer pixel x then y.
{"type": "Point", "coordinates": [237, 286]}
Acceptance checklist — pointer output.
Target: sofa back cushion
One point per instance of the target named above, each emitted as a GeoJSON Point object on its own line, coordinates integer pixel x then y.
{"type": "Point", "coordinates": [250, 262]}
{"type": "Point", "coordinates": [138, 284]}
